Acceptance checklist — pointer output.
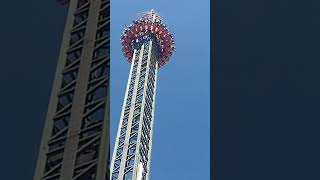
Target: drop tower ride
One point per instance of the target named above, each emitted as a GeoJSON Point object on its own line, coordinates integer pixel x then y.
{"type": "Point", "coordinates": [147, 44]}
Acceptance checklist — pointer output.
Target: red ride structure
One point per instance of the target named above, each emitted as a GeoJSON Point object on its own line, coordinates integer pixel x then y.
{"type": "Point", "coordinates": [149, 24]}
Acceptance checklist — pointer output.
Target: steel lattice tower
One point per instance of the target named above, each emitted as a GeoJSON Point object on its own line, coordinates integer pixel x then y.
{"type": "Point", "coordinates": [147, 44]}
{"type": "Point", "coordinates": [75, 139]}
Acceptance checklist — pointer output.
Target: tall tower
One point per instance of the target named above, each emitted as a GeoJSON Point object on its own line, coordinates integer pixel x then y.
{"type": "Point", "coordinates": [75, 139]}
{"type": "Point", "coordinates": [147, 44]}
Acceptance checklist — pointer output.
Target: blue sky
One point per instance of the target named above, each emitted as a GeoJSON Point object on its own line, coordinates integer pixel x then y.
{"type": "Point", "coordinates": [181, 140]}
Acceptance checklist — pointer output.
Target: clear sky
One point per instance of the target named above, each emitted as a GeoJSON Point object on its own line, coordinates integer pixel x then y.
{"type": "Point", "coordinates": [181, 147]}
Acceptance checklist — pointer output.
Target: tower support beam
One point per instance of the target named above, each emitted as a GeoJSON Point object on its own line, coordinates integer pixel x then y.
{"type": "Point", "coordinates": [75, 141]}
{"type": "Point", "coordinates": [133, 144]}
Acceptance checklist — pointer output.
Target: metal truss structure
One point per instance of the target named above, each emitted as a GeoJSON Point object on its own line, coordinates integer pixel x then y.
{"type": "Point", "coordinates": [75, 140]}
{"type": "Point", "coordinates": [147, 44]}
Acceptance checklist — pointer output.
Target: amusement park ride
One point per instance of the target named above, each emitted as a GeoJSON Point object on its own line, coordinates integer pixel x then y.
{"type": "Point", "coordinates": [147, 44]}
